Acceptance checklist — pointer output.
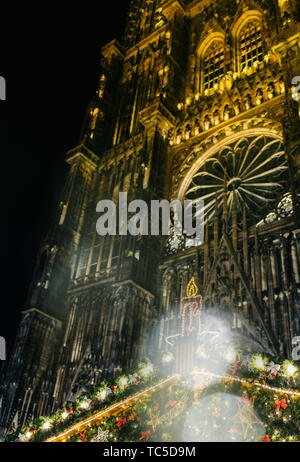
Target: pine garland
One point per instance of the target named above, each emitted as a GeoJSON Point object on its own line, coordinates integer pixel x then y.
{"type": "Point", "coordinates": [264, 384]}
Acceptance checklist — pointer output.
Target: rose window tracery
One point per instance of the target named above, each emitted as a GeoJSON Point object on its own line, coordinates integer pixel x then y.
{"type": "Point", "coordinates": [253, 168]}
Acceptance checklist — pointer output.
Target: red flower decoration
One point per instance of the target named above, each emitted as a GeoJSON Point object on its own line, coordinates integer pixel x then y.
{"type": "Point", "coordinates": [145, 435]}
{"type": "Point", "coordinates": [235, 367]}
{"type": "Point", "coordinates": [170, 404]}
{"type": "Point", "coordinates": [134, 416]}
{"type": "Point", "coordinates": [113, 388]}
{"type": "Point", "coordinates": [71, 410]}
{"type": "Point", "coordinates": [264, 439]}
{"type": "Point", "coordinates": [121, 422]}
{"type": "Point", "coordinates": [280, 404]}
{"type": "Point", "coordinates": [156, 407]}
{"type": "Point", "coordinates": [83, 437]}
{"type": "Point", "coordinates": [244, 400]}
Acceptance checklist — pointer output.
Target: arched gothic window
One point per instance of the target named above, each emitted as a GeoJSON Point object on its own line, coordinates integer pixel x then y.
{"type": "Point", "coordinates": [213, 65]}
{"type": "Point", "coordinates": [250, 42]}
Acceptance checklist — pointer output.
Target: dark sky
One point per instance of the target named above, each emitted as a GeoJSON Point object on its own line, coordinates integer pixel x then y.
{"type": "Point", "coordinates": [50, 58]}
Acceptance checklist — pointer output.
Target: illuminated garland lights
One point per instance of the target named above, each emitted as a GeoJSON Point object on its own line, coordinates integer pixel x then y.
{"type": "Point", "coordinates": [121, 406]}
{"type": "Point", "coordinates": [85, 404]}
{"type": "Point", "coordinates": [156, 420]}
{"type": "Point", "coordinates": [254, 373]}
{"type": "Point", "coordinates": [231, 378]}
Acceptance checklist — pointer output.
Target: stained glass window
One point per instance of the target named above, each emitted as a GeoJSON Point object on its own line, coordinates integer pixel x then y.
{"type": "Point", "coordinates": [251, 49]}
{"type": "Point", "coordinates": [213, 65]}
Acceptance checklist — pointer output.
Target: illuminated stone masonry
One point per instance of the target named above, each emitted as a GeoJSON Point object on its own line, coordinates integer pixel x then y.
{"type": "Point", "coordinates": [196, 101]}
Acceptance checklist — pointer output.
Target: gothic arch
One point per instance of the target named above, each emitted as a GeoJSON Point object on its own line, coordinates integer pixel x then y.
{"type": "Point", "coordinates": [237, 27]}
{"type": "Point", "coordinates": [206, 43]}
{"type": "Point", "coordinates": [212, 38]}
{"type": "Point", "coordinates": [248, 15]}
{"type": "Point", "coordinates": [194, 165]}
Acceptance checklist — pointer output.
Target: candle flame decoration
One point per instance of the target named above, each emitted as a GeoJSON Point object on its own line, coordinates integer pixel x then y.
{"type": "Point", "coordinates": [193, 304]}
{"type": "Point", "coordinates": [192, 289]}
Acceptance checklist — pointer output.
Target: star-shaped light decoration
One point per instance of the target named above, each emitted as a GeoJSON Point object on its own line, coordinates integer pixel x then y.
{"type": "Point", "coordinates": [246, 417]}
{"type": "Point", "coordinates": [102, 436]}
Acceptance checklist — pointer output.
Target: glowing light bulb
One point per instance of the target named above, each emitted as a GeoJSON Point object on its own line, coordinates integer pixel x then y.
{"type": "Point", "coordinates": [103, 394]}
{"type": "Point", "coordinates": [291, 369]}
{"type": "Point", "coordinates": [230, 356]}
{"type": "Point", "coordinates": [167, 358]}
{"type": "Point", "coordinates": [46, 426]}
{"type": "Point", "coordinates": [64, 415]}
{"type": "Point", "coordinates": [28, 434]}
{"type": "Point", "coordinates": [259, 363]}
{"type": "Point", "coordinates": [147, 370]}
{"type": "Point", "coordinates": [123, 381]}
{"type": "Point", "coordinates": [84, 405]}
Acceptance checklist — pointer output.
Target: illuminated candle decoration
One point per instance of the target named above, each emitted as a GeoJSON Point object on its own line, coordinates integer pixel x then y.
{"type": "Point", "coordinates": [190, 307]}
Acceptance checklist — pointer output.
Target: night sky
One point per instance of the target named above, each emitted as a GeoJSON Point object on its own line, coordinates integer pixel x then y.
{"type": "Point", "coordinates": [50, 58]}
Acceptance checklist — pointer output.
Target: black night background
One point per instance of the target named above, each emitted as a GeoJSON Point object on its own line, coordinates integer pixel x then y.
{"type": "Point", "coordinates": [50, 58]}
{"type": "Point", "coordinates": [144, 336]}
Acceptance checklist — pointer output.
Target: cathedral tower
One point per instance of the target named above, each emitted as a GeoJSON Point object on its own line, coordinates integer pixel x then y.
{"type": "Point", "coordinates": [195, 102]}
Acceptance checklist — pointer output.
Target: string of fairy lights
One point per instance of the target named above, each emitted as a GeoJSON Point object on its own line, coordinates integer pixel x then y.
{"type": "Point", "coordinates": [231, 378]}
{"type": "Point", "coordinates": [258, 362]}
{"type": "Point", "coordinates": [132, 399]}
{"type": "Point", "coordinates": [125, 403]}
{"type": "Point", "coordinates": [170, 380]}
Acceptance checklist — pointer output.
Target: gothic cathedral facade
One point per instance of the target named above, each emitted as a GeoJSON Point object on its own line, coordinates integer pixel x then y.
{"type": "Point", "coordinates": [197, 101]}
